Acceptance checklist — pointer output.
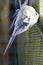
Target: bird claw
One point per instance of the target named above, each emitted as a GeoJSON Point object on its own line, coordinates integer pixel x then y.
{"type": "Point", "coordinates": [42, 35]}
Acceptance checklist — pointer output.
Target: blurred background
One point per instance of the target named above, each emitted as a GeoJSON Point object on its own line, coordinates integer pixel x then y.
{"type": "Point", "coordinates": [27, 49]}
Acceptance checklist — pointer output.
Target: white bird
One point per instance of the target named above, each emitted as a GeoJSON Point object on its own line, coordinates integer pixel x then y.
{"type": "Point", "coordinates": [26, 18]}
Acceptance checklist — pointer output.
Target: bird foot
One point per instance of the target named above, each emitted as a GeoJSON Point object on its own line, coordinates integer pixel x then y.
{"type": "Point", "coordinates": [42, 35]}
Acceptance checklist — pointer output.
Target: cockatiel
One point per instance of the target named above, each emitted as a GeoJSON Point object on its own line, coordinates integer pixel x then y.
{"type": "Point", "coordinates": [26, 18]}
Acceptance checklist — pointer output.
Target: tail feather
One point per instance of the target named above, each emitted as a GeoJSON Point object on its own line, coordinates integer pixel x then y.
{"type": "Point", "coordinates": [9, 43]}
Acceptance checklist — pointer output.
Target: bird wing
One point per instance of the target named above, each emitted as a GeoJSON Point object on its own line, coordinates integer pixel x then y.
{"type": "Point", "coordinates": [13, 22]}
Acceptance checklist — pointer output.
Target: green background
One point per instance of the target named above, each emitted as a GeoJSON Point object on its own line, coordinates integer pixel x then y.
{"type": "Point", "coordinates": [29, 45]}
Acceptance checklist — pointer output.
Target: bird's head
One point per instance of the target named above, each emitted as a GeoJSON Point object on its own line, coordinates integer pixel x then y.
{"type": "Point", "coordinates": [28, 14]}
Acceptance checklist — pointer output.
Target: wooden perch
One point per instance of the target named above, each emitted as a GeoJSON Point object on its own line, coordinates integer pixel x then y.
{"type": "Point", "coordinates": [5, 19]}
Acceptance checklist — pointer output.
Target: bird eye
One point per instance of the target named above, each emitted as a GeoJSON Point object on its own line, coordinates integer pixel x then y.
{"type": "Point", "coordinates": [28, 19]}
{"type": "Point", "coordinates": [36, 13]}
